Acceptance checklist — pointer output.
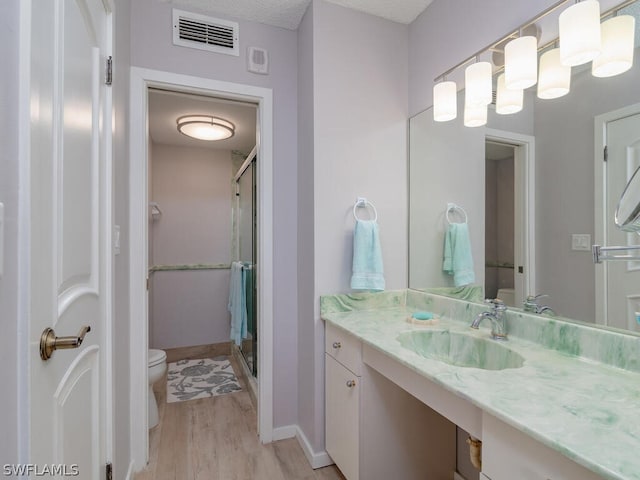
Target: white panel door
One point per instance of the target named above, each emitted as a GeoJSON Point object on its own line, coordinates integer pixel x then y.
{"type": "Point", "coordinates": [623, 277]}
{"type": "Point", "coordinates": [69, 217]}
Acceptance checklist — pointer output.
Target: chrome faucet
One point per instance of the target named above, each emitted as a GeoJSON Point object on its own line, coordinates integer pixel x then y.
{"type": "Point", "coordinates": [531, 305]}
{"type": "Point", "coordinates": [497, 318]}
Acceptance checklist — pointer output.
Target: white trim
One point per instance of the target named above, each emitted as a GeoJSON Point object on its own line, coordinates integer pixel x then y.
{"type": "Point", "coordinates": [24, 229]}
{"type": "Point", "coordinates": [317, 460]}
{"type": "Point", "coordinates": [526, 166]}
{"type": "Point", "coordinates": [130, 472]}
{"type": "Point", "coordinates": [600, 201]}
{"type": "Point", "coordinates": [141, 80]}
{"type": "Point", "coordinates": [282, 433]}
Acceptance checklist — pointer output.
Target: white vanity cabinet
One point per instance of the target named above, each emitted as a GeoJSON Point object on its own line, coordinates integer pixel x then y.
{"type": "Point", "coordinates": [342, 400]}
{"type": "Point", "coordinates": [509, 454]}
{"type": "Point", "coordinates": [375, 430]}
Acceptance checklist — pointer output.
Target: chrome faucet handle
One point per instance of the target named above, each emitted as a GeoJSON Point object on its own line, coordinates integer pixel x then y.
{"type": "Point", "coordinates": [531, 302]}
{"type": "Point", "coordinates": [496, 304]}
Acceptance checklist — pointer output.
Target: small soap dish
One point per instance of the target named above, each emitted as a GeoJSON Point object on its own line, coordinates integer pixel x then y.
{"type": "Point", "coordinates": [423, 318]}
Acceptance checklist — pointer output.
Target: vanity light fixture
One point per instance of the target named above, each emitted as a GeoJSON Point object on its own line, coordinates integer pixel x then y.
{"type": "Point", "coordinates": [205, 127]}
{"type": "Point", "coordinates": [555, 78]}
{"type": "Point", "coordinates": [475, 116]}
{"type": "Point", "coordinates": [617, 47]}
{"type": "Point", "coordinates": [445, 101]}
{"type": "Point", "coordinates": [580, 38]}
{"type": "Point", "coordinates": [478, 88]}
{"type": "Point", "coordinates": [508, 101]}
{"type": "Point", "coordinates": [521, 63]}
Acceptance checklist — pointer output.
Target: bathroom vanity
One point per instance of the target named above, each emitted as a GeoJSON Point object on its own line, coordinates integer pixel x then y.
{"type": "Point", "coordinates": [556, 401]}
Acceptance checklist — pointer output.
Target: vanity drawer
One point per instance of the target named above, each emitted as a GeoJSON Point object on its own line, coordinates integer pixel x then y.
{"type": "Point", "coordinates": [508, 454]}
{"type": "Point", "coordinates": [344, 348]}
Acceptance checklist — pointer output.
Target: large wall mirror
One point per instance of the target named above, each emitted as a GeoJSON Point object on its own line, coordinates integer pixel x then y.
{"type": "Point", "coordinates": [537, 193]}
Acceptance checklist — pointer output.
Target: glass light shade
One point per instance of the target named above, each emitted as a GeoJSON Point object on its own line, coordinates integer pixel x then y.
{"type": "Point", "coordinates": [508, 101]}
{"type": "Point", "coordinates": [521, 63]}
{"type": "Point", "coordinates": [555, 78]}
{"type": "Point", "coordinates": [580, 39]}
{"type": "Point", "coordinates": [475, 116]}
{"type": "Point", "coordinates": [617, 47]}
{"type": "Point", "coordinates": [445, 101]}
{"type": "Point", "coordinates": [205, 127]}
{"type": "Point", "coordinates": [478, 88]}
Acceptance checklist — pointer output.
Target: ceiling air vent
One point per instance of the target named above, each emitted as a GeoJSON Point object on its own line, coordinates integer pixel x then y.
{"type": "Point", "coordinates": [205, 33]}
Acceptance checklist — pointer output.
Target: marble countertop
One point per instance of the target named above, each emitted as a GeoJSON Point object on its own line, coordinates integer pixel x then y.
{"type": "Point", "coordinates": [586, 409]}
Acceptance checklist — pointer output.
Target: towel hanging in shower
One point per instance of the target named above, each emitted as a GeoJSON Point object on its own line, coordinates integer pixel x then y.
{"type": "Point", "coordinates": [237, 303]}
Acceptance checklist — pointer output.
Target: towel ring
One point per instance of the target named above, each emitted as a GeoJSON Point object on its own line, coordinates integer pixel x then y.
{"type": "Point", "coordinates": [362, 203]}
{"type": "Point", "coordinates": [452, 207]}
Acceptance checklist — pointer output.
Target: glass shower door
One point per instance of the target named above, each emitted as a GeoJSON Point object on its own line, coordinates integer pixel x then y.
{"type": "Point", "coordinates": [247, 228]}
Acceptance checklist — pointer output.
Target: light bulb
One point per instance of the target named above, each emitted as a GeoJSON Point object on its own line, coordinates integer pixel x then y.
{"type": "Point", "coordinates": [617, 47]}
{"type": "Point", "coordinates": [475, 116]}
{"type": "Point", "coordinates": [478, 88]}
{"type": "Point", "coordinates": [580, 39]}
{"type": "Point", "coordinates": [445, 101]}
{"type": "Point", "coordinates": [508, 101]}
{"type": "Point", "coordinates": [555, 78]}
{"type": "Point", "coordinates": [521, 63]}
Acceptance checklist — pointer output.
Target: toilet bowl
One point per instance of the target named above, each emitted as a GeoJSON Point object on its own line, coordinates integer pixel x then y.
{"type": "Point", "coordinates": [508, 296]}
{"type": "Point", "coordinates": [157, 367]}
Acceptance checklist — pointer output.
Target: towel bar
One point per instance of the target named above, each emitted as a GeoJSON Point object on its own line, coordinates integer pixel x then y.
{"type": "Point", "coordinates": [362, 202]}
{"type": "Point", "coordinates": [452, 207]}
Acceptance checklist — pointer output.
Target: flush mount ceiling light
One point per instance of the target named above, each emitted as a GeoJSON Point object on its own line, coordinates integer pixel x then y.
{"type": "Point", "coordinates": [580, 38]}
{"type": "Point", "coordinates": [205, 127]}
{"type": "Point", "coordinates": [617, 47]}
{"type": "Point", "coordinates": [445, 101]}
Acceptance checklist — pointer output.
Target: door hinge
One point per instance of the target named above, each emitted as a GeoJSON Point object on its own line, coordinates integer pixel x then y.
{"type": "Point", "coordinates": [606, 153]}
{"type": "Point", "coordinates": [148, 283]}
{"type": "Point", "coordinates": [109, 471]}
{"type": "Point", "coordinates": [108, 76]}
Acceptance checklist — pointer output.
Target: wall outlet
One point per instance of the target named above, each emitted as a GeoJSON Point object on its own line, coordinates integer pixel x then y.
{"type": "Point", "coordinates": [581, 242]}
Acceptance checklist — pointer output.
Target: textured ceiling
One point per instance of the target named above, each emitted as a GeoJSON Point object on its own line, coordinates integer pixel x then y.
{"type": "Point", "coordinates": [288, 13]}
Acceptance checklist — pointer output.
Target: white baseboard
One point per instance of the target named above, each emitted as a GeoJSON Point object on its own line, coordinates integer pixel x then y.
{"type": "Point", "coordinates": [282, 433]}
{"type": "Point", "coordinates": [130, 472]}
{"type": "Point", "coordinates": [317, 460]}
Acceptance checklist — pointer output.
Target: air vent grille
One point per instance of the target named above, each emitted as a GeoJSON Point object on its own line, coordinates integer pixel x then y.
{"type": "Point", "coordinates": [205, 33]}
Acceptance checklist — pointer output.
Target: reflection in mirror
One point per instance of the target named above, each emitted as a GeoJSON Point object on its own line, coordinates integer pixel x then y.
{"type": "Point", "coordinates": [570, 203]}
{"type": "Point", "coordinates": [627, 216]}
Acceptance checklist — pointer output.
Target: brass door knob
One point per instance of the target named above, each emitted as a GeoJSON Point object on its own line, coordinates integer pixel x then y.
{"type": "Point", "coordinates": [49, 342]}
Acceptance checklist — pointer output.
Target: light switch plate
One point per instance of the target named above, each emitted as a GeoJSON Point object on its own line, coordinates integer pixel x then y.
{"type": "Point", "coordinates": [581, 242]}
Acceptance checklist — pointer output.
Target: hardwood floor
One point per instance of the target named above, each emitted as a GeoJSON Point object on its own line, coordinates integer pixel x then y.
{"type": "Point", "coordinates": [216, 439]}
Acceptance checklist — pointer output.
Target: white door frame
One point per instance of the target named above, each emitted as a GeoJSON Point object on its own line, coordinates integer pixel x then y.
{"type": "Point", "coordinates": [141, 80]}
{"type": "Point", "coordinates": [525, 204]}
{"type": "Point", "coordinates": [600, 200]}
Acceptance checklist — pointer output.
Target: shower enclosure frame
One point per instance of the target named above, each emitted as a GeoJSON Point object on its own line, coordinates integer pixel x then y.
{"type": "Point", "coordinates": [141, 79]}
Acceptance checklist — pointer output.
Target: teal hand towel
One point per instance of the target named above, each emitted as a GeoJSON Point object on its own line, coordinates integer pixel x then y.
{"type": "Point", "coordinates": [237, 305]}
{"type": "Point", "coordinates": [367, 257]}
{"type": "Point", "coordinates": [457, 254]}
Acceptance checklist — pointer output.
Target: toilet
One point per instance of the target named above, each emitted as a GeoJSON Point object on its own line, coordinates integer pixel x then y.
{"type": "Point", "coordinates": [157, 367]}
{"type": "Point", "coordinates": [508, 296]}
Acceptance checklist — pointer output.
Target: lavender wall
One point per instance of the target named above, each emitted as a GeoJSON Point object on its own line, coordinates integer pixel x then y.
{"type": "Point", "coordinates": [358, 86]}
{"type": "Point", "coordinates": [10, 321]}
{"type": "Point", "coordinates": [151, 47]}
{"type": "Point", "coordinates": [193, 188]}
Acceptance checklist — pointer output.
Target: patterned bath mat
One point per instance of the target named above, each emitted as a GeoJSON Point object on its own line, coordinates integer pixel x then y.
{"type": "Point", "coordinates": [201, 378]}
